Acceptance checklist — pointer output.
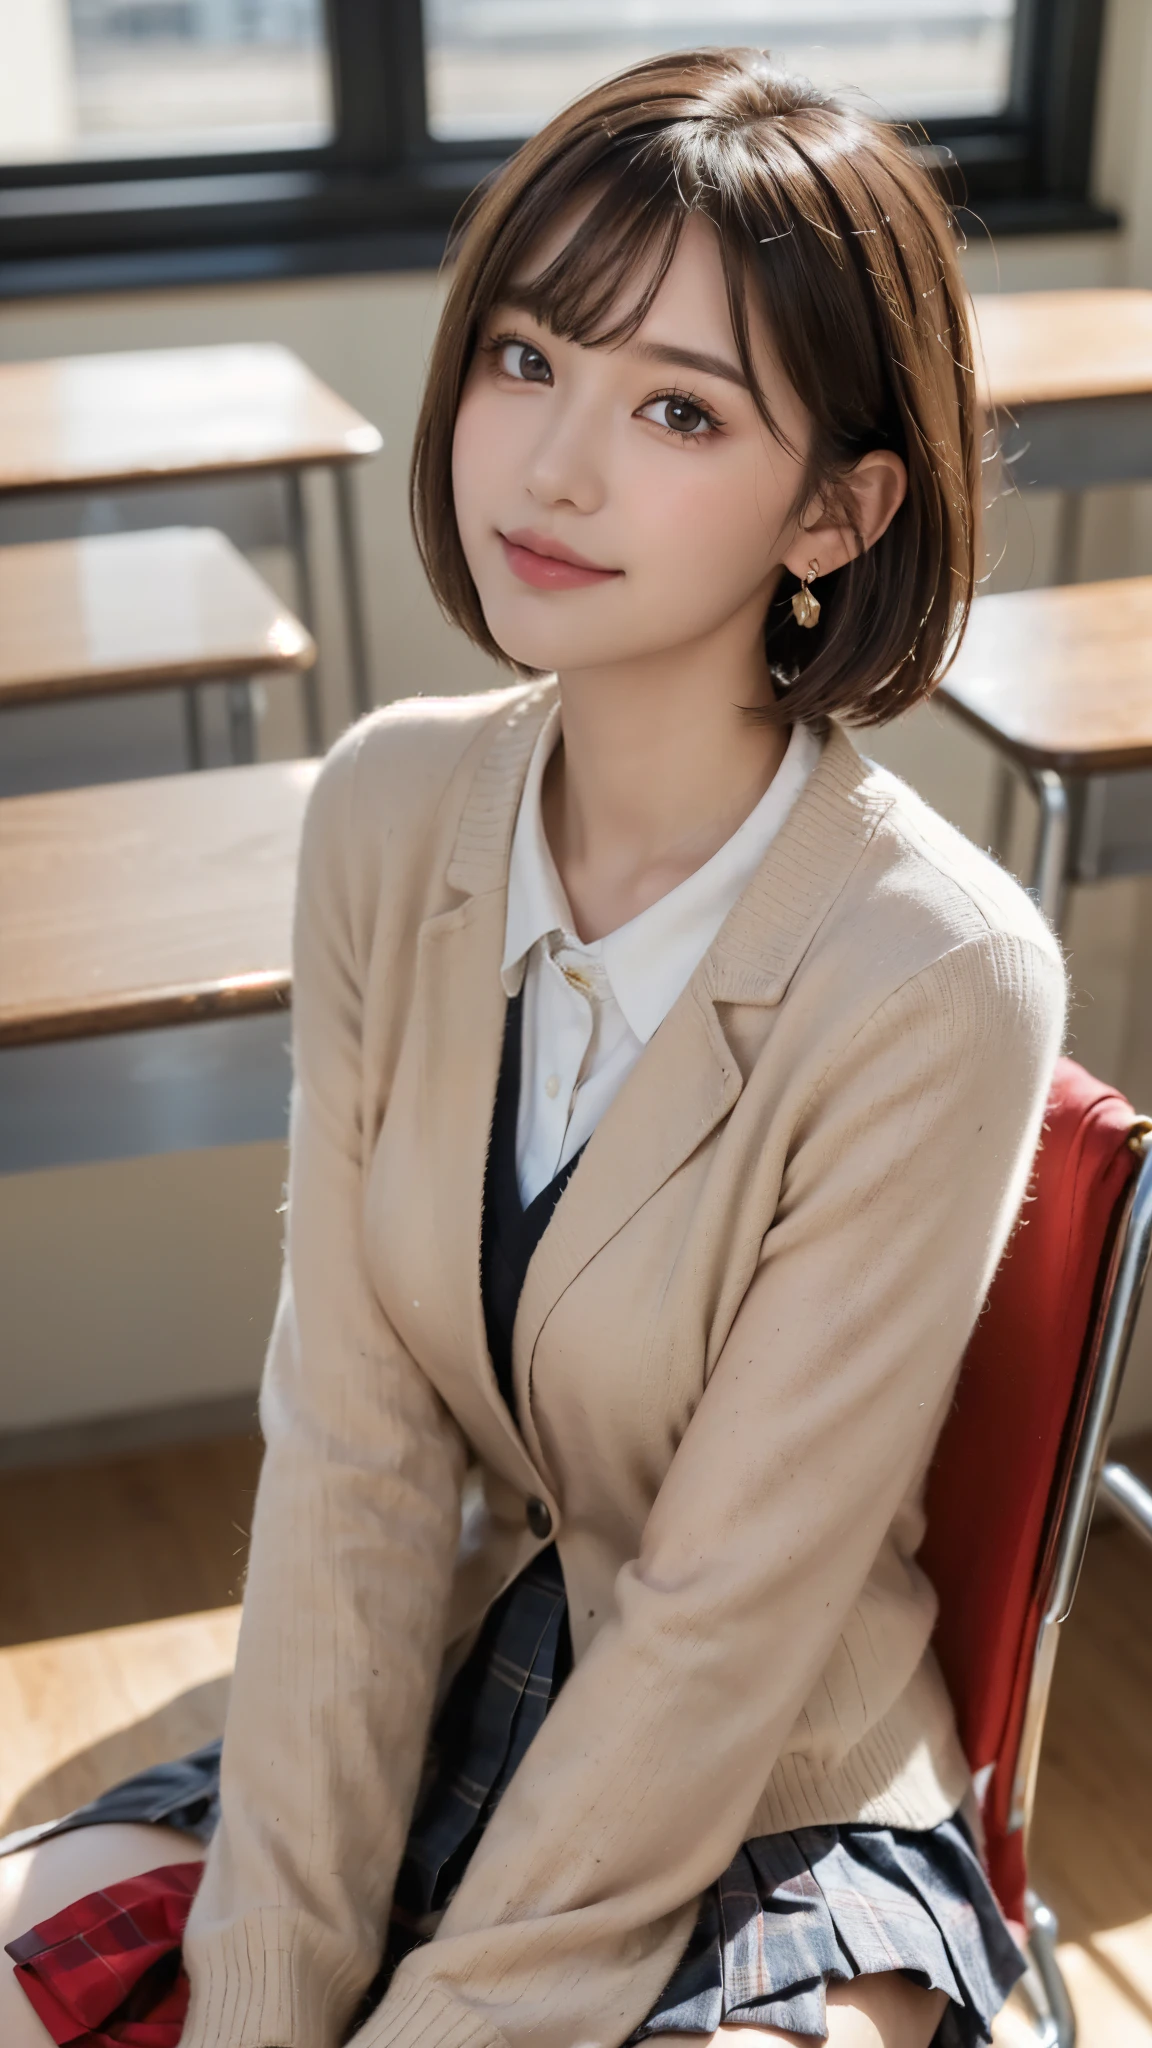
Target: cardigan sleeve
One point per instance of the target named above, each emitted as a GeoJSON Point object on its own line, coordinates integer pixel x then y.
{"type": "Point", "coordinates": [353, 1540]}
{"type": "Point", "coordinates": [906, 1173]}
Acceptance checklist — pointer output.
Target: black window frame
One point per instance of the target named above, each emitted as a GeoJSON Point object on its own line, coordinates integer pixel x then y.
{"type": "Point", "coordinates": [384, 192]}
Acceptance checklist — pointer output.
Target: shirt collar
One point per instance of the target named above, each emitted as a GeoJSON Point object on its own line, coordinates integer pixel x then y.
{"type": "Point", "coordinates": [651, 959]}
{"type": "Point", "coordinates": [537, 900]}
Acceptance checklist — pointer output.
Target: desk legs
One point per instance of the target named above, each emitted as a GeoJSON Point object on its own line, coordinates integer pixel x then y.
{"type": "Point", "coordinates": [353, 591]}
{"type": "Point", "coordinates": [194, 727]}
{"type": "Point", "coordinates": [1003, 811]}
{"type": "Point", "coordinates": [1069, 533]}
{"type": "Point", "coordinates": [1049, 882]}
{"type": "Point", "coordinates": [305, 603]}
{"type": "Point", "coordinates": [241, 723]}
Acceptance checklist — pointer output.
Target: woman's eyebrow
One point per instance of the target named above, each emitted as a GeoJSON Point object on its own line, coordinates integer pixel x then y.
{"type": "Point", "coordinates": [691, 359]}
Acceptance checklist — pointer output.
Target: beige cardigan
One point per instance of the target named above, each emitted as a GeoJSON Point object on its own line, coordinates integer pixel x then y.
{"type": "Point", "coordinates": [734, 1348]}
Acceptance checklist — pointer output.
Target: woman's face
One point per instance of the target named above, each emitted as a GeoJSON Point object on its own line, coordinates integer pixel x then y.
{"type": "Point", "coordinates": [648, 461]}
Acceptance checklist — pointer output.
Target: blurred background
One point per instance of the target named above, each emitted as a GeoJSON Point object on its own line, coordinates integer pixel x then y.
{"type": "Point", "coordinates": [192, 172]}
{"type": "Point", "coordinates": [116, 76]}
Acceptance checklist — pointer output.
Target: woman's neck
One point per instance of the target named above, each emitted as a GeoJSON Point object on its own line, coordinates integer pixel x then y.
{"type": "Point", "coordinates": [658, 767]}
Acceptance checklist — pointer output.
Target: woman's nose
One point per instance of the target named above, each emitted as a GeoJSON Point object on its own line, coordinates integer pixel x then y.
{"type": "Point", "coordinates": [564, 463]}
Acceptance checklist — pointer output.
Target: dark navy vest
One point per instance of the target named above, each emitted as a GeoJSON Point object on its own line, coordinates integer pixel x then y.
{"type": "Point", "coordinates": [509, 1233]}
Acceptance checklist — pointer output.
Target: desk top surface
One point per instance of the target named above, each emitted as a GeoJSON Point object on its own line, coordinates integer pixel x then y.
{"type": "Point", "coordinates": [1056, 347]}
{"type": "Point", "coordinates": [151, 415]}
{"type": "Point", "coordinates": [136, 904]}
{"type": "Point", "coordinates": [126, 611]}
{"type": "Point", "coordinates": [1061, 678]}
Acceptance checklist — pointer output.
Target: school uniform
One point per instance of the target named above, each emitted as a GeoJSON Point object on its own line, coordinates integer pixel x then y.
{"type": "Point", "coordinates": [610, 1481]}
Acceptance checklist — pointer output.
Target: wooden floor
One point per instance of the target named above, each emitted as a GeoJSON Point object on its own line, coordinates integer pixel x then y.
{"type": "Point", "coordinates": [130, 1539]}
{"type": "Point", "coordinates": [118, 1616]}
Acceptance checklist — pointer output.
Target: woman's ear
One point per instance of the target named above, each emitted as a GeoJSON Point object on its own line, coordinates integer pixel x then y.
{"type": "Point", "coordinates": [833, 531]}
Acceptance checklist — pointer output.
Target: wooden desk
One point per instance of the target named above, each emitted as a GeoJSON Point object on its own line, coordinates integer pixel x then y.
{"type": "Point", "coordinates": [151, 416]}
{"type": "Point", "coordinates": [1062, 678]}
{"type": "Point", "coordinates": [84, 423]}
{"type": "Point", "coordinates": [1056, 348]}
{"type": "Point", "coordinates": [142, 611]}
{"type": "Point", "coordinates": [137, 904]}
{"type": "Point", "coordinates": [1060, 682]}
{"type": "Point", "coordinates": [1069, 376]}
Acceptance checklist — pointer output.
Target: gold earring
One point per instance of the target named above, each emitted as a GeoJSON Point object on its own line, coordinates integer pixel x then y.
{"type": "Point", "coordinates": [805, 606]}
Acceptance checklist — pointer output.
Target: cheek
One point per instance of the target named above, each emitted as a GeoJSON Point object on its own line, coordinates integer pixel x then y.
{"type": "Point", "coordinates": [714, 517]}
{"type": "Point", "coordinates": [479, 453]}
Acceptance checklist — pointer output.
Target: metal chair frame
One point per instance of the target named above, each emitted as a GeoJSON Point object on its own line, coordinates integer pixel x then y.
{"type": "Point", "coordinates": [1093, 1477]}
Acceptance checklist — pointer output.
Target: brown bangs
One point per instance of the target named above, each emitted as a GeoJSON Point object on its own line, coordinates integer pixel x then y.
{"type": "Point", "coordinates": [831, 232]}
{"type": "Point", "coordinates": [627, 239]}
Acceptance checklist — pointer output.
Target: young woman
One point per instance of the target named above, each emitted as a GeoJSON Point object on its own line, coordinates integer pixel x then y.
{"type": "Point", "coordinates": [667, 1083]}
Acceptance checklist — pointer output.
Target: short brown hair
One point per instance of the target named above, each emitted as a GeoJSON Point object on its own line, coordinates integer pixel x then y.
{"type": "Point", "coordinates": [828, 217]}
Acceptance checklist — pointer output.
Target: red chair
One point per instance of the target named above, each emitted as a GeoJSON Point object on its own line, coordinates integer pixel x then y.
{"type": "Point", "coordinates": [1019, 1466]}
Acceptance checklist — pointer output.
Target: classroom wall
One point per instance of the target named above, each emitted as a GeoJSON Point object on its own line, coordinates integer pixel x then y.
{"type": "Point", "coordinates": [148, 1283]}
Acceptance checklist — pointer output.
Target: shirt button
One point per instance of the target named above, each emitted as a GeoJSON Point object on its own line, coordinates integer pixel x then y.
{"type": "Point", "coordinates": [539, 1519]}
{"type": "Point", "coordinates": [552, 1087]}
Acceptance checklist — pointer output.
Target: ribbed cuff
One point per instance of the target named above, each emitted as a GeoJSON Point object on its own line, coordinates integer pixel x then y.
{"type": "Point", "coordinates": [259, 1982]}
{"type": "Point", "coordinates": [420, 2015]}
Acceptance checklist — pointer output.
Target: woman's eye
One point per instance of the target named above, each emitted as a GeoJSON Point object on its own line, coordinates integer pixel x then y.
{"type": "Point", "coordinates": [520, 360]}
{"type": "Point", "coordinates": [680, 416]}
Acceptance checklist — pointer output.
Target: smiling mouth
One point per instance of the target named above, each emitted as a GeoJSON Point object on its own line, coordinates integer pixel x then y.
{"type": "Point", "coordinates": [530, 558]}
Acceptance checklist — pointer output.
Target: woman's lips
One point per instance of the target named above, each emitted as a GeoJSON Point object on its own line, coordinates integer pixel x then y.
{"type": "Point", "coordinates": [549, 572]}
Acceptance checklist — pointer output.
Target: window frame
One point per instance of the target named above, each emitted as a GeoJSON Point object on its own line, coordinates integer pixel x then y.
{"type": "Point", "coordinates": [383, 193]}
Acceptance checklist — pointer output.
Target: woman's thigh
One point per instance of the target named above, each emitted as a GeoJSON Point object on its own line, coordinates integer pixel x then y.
{"type": "Point", "coordinates": [885, 2011]}
{"type": "Point", "coordinates": [37, 1882]}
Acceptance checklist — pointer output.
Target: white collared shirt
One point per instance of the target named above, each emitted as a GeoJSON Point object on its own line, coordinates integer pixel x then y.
{"type": "Point", "coordinates": [590, 1009]}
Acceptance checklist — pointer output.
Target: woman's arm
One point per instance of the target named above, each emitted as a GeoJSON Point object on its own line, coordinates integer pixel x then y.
{"type": "Point", "coordinates": [907, 1171]}
{"type": "Point", "coordinates": [352, 1547]}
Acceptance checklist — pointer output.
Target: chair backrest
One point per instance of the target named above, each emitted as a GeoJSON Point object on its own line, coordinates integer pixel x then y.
{"type": "Point", "coordinates": [999, 1481]}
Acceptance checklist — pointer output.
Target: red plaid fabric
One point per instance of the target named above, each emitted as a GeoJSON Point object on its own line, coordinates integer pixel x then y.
{"type": "Point", "coordinates": [106, 1972]}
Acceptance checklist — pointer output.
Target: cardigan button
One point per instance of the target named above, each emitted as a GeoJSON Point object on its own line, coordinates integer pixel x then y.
{"type": "Point", "coordinates": [539, 1519]}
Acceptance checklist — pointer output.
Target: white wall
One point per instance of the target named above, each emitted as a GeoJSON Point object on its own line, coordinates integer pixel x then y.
{"type": "Point", "coordinates": [149, 1283]}
{"type": "Point", "coordinates": [37, 93]}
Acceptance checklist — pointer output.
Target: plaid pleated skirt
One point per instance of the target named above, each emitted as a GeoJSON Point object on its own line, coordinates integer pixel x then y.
{"type": "Point", "coordinates": [793, 1912]}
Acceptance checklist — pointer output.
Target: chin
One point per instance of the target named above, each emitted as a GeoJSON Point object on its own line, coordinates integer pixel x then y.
{"type": "Point", "coordinates": [544, 644]}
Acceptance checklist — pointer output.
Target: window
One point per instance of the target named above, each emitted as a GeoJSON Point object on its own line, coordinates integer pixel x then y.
{"type": "Point", "coordinates": [501, 67]}
{"type": "Point", "coordinates": [100, 79]}
{"type": "Point", "coordinates": [143, 138]}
